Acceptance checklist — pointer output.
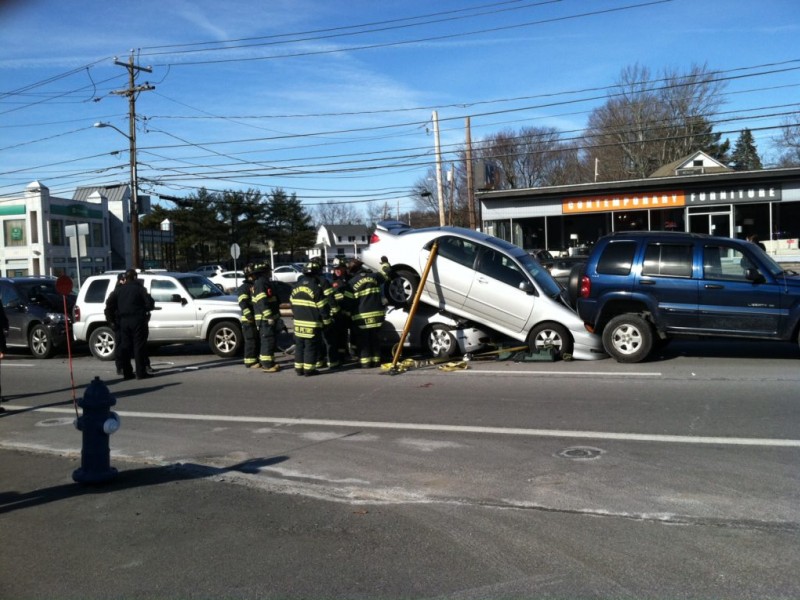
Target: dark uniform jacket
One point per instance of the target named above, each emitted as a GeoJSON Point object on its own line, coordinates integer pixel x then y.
{"type": "Point", "coordinates": [244, 294]}
{"type": "Point", "coordinates": [133, 301]}
{"type": "Point", "coordinates": [265, 300]}
{"type": "Point", "coordinates": [310, 307]}
{"type": "Point", "coordinates": [3, 328]}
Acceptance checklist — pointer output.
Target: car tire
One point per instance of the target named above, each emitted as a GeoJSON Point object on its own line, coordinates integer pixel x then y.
{"type": "Point", "coordinates": [103, 343]}
{"type": "Point", "coordinates": [39, 342]}
{"type": "Point", "coordinates": [552, 335]}
{"type": "Point", "coordinates": [439, 341]}
{"type": "Point", "coordinates": [225, 339]}
{"type": "Point", "coordinates": [401, 288]}
{"type": "Point", "coordinates": [574, 283]}
{"type": "Point", "coordinates": [628, 338]}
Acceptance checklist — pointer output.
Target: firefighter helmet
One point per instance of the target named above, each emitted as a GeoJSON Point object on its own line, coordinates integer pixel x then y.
{"type": "Point", "coordinates": [354, 266]}
{"type": "Point", "coordinates": [261, 269]}
{"type": "Point", "coordinates": [312, 267]}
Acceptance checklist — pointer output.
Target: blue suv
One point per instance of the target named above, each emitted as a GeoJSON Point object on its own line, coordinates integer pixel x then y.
{"type": "Point", "coordinates": [638, 289]}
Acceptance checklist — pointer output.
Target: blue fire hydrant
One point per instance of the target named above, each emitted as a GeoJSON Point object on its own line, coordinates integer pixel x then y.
{"type": "Point", "coordinates": [97, 423]}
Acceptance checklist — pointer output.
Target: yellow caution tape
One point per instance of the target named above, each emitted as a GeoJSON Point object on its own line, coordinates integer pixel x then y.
{"type": "Point", "coordinates": [454, 366]}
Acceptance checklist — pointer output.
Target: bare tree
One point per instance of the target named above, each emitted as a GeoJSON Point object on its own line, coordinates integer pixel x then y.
{"type": "Point", "coordinates": [789, 142]}
{"type": "Point", "coordinates": [337, 213]}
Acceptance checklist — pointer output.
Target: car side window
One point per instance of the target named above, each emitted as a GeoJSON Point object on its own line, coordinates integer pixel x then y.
{"type": "Point", "coordinates": [725, 263]}
{"type": "Point", "coordinates": [97, 291]}
{"type": "Point", "coordinates": [458, 250]}
{"type": "Point", "coordinates": [668, 260]}
{"type": "Point", "coordinates": [616, 258]}
{"type": "Point", "coordinates": [162, 290]}
{"type": "Point", "coordinates": [9, 296]}
{"type": "Point", "coordinates": [500, 267]}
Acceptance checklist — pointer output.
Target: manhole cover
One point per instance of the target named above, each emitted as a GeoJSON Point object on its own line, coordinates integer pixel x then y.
{"type": "Point", "coordinates": [580, 453]}
{"type": "Point", "coordinates": [54, 422]}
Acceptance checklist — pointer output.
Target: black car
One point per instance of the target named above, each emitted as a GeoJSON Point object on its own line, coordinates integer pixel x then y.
{"type": "Point", "coordinates": [35, 312]}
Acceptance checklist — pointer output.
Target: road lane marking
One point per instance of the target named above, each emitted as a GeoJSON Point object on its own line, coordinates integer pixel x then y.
{"type": "Point", "coordinates": [516, 431]}
{"type": "Point", "coordinates": [557, 373]}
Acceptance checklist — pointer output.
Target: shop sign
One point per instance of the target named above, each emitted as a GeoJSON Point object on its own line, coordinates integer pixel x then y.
{"type": "Point", "coordinates": [741, 195]}
{"type": "Point", "coordinates": [615, 202]}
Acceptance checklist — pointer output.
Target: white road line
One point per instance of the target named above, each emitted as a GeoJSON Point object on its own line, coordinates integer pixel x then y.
{"type": "Point", "coordinates": [557, 373]}
{"type": "Point", "coordinates": [553, 433]}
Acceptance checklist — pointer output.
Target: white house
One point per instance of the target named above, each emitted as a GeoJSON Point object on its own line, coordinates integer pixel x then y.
{"type": "Point", "coordinates": [344, 241]}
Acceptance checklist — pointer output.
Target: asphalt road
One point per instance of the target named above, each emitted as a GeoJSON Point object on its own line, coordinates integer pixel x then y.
{"type": "Point", "coordinates": [673, 478]}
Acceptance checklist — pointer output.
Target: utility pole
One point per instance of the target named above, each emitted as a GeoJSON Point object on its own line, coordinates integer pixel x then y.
{"type": "Point", "coordinates": [439, 186]}
{"type": "Point", "coordinates": [470, 181]}
{"type": "Point", "coordinates": [131, 92]}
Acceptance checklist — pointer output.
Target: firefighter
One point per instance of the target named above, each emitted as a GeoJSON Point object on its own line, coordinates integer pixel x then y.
{"type": "Point", "coordinates": [311, 313]}
{"type": "Point", "coordinates": [365, 295]}
{"type": "Point", "coordinates": [329, 356]}
{"type": "Point", "coordinates": [340, 327]}
{"type": "Point", "coordinates": [250, 333]}
{"type": "Point", "coordinates": [267, 316]}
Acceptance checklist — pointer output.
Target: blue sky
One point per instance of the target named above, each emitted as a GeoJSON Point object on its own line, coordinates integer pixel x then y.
{"type": "Point", "coordinates": [332, 100]}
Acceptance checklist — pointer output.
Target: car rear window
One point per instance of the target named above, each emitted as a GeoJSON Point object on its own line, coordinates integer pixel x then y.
{"type": "Point", "coordinates": [96, 293]}
{"type": "Point", "coordinates": [616, 258]}
{"type": "Point", "coordinates": [668, 260]}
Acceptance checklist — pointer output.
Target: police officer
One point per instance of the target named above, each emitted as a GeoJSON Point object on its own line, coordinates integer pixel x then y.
{"type": "Point", "coordinates": [134, 305]}
{"type": "Point", "coordinates": [111, 313]}
{"type": "Point", "coordinates": [3, 333]}
{"type": "Point", "coordinates": [365, 295]}
{"type": "Point", "coordinates": [311, 313]}
{"type": "Point", "coordinates": [252, 340]}
{"type": "Point", "coordinates": [267, 316]}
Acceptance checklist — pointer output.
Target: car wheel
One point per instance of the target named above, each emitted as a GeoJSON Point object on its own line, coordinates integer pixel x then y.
{"type": "Point", "coordinates": [400, 290]}
{"type": "Point", "coordinates": [439, 341]}
{"type": "Point", "coordinates": [103, 343]}
{"type": "Point", "coordinates": [550, 335]}
{"type": "Point", "coordinates": [39, 342]}
{"type": "Point", "coordinates": [628, 338]}
{"type": "Point", "coordinates": [576, 273]}
{"type": "Point", "coordinates": [225, 339]}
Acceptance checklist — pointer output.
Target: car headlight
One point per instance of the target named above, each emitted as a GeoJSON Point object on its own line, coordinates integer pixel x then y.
{"type": "Point", "coordinates": [53, 317]}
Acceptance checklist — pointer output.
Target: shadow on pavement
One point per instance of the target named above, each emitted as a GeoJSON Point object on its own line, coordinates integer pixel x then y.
{"type": "Point", "coordinates": [128, 479]}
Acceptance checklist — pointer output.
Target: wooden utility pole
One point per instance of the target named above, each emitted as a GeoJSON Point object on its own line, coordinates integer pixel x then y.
{"type": "Point", "coordinates": [131, 92]}
{"type": "Point", "coordinates": [439, 186]}
{"type": "Point", "coordinates": [470, 181]}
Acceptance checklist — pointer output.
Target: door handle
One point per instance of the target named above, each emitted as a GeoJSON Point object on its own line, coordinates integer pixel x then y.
{"type": "Point", "coordinates": [714, 286]}
{"type": "Point", "coordinates": [647, 282]}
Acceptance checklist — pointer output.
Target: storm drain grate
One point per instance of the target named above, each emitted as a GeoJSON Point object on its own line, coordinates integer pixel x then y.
{"type": "Point", "coordinates": [580, 453]}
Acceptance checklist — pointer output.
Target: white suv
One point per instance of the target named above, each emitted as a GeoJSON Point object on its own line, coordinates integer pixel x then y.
{"type": "Point", "coordinates": [189, 308]}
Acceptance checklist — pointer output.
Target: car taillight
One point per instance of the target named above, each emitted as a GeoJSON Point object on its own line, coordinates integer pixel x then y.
{"type": "Point", "coordinates": [374, 239]}
{"type": "Point", "coordinates": [586, 287]}
{"type": "Point", "coordinates": [76, 313]}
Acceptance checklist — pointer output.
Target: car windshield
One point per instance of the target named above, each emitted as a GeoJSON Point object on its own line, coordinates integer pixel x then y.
{"type": "Point", "coordinates": [774, 268]}
{"type": "Point", "coordinates": [541, 276]}
{"type": "Point", "coordinates": [199, 286]}
{"type": "Point", "coordinates": [41, 289]}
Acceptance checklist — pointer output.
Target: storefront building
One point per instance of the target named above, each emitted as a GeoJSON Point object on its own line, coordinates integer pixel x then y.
{"type": "Point", "coordinates": [569, 219]}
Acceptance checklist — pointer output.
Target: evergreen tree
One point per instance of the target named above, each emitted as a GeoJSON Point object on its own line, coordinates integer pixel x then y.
{"type": "Point", "coordinates": [288, 224]}
{"type": "Point", "coordinates": [745, 155]}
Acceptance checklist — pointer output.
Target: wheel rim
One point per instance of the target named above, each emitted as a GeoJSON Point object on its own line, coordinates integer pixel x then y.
{"type": "Point", "coordinates": [548, 338]}
{"type": "Point", "coordinates": [400, 289]}
{"type": "Point", "coordinates": [104, 345]}
{"type": "Point", "coordinates": [39, 341]}
{"type": "Point", "coordinates": [626, 339]}
{"type": "Point", "coordinates": [225, 340]}
{"type": "Point", "coordinates": [440, 342]}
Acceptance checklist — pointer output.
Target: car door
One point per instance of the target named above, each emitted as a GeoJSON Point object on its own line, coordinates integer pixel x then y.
{"type": "Point", "coordinates": [667, 275]}
{"type": "Point", "coordinates": [451, 274]}
{"type": "Point", "coordinates": [174, 317]}
{"type": "Point", "coordinates": [495, 296]}
{"type": "Point", "coordinates": [15, 313]}
{"type": "Point", "coordinates": [729, 302]}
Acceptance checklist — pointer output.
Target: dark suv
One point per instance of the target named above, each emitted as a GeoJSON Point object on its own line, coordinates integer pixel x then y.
{"type": "Point", "coordinates": [35, 312]}
{"type": "Point", "coordinates": [638, 289]}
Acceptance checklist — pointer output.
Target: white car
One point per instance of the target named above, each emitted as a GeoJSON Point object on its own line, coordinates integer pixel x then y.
{"type": "Point", "coordinates": [438, 334]}
{"type": "Point", "coordinates": [189, 308]}
{"type": "Point", "coordinates": [228, 280]}
{"type": "Point", "coordinates": [209, 270]}
{"type": "Point", "coordinates": [485, 280]}
{"type": "Point", "coordinates": [287, 273]}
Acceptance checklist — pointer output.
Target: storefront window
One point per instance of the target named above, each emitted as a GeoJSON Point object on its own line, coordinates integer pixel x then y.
{"type": "Point", "coordinates": [14, 232]}
{"type": "Point", "coordinates": [57, 232]}
{"type": "Point", "coordinates": [667, 220]}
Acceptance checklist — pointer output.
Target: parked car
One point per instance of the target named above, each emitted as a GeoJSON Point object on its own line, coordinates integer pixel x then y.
{"type": "Point", "coordinates": [189, 308]}
{"type": "Point", "coordinates": [638, 289]}
{"type": "Point", "coordinates": [35, 312]}
{"type": "Point", "coordinates": [209, 270]}
{"type": "Point", "coordinates": [483, 279]}
{"type": "Point", "coordinates": [287, 273]}
{"type": "Point", "coordinates": [228, 281]}
{"type": "Point", "coordinates": [438, 334]}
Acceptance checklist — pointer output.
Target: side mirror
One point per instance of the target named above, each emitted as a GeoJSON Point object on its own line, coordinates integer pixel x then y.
{"type": "Point", "coordinates": [178, 298]}
{"type": "Point", "coordinates": [527, 287]}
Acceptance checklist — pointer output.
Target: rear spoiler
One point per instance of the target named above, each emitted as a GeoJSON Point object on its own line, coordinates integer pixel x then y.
{"type": "Point", "coordinates": [392, 226]}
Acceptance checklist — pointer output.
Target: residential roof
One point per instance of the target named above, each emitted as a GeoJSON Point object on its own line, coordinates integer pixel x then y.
{"type": "Point", "coordinates": [112, 193]}
{"type": "Point", "coordinates": [710, 165]}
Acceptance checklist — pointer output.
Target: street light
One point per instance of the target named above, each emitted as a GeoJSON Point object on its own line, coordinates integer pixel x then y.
{"type": "Point", "coordinates": [134, 191]}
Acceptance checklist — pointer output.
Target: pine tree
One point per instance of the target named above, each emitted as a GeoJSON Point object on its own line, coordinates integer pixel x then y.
{"type": "Point", "coordinates": [745, 155]}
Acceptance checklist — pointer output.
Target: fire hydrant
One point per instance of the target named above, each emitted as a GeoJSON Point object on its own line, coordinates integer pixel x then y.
{"type": "Point", "coordinates": [97, 423]}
